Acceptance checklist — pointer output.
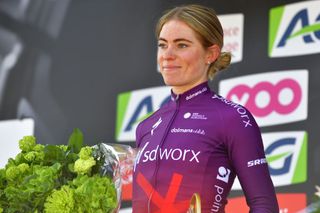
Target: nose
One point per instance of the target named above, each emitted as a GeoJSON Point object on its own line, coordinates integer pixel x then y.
{"type": "Point", "coordinates": [168, 53]}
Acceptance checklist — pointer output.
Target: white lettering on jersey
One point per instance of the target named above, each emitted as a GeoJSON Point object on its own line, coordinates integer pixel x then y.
{"type": "Point", "coordinates": [256, 162]}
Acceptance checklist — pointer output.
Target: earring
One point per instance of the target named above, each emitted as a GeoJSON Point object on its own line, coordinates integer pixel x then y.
{"type": "Point", "coordinates": [208, 62]}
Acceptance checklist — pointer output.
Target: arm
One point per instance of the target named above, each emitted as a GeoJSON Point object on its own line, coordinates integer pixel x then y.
{"type": "Point", "coordinates": [246, 153]}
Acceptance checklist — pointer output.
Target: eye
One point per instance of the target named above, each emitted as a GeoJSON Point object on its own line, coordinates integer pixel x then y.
{"type": "Point", "coordinates": [161, 45]}
{"type": "Point", "coordinates": [182, 45]}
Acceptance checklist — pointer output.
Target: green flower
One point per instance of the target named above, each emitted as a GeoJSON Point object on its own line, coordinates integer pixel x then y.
{"type": "Point", "coordinates": [12, 173]}
{"type": "Point", "coordinates": [2, 173]}
{"type": "Point", "coordinates": [85, 153]}
{"type": "Point", "coordinates": [95, 194]}
{"type": "Point", "coordinates": [20, 158]}
{"type": "Point", "coordinates": [61, 201]}
{"type": "Point", "coordinates": [38, 148]}
{"type": "Point", "coordinates": [84, 166]}
{"type": "Point", "coordinates": [63, 147]}
{"type": "Point", "coordinates": [23, 168]}
{"type": "Point", "coordinates": [34, 156]}
{"type": "Point", "coordinates": [27, 143]}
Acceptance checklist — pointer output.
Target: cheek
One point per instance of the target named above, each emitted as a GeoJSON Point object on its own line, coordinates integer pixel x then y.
{"type": "Point", "coordinates": [191, 58]}
{"type": "Point", "coordinates": [159, 57]}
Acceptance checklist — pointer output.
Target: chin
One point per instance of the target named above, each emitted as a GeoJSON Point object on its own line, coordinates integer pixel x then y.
{"type": "Point", "coordinates": [169, 82]}
{"type": "Point", "coordinates": [172, 81]}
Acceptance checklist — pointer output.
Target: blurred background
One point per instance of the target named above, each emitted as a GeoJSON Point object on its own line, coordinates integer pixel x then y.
{"type": "Point", "coordinates": [68, 64]}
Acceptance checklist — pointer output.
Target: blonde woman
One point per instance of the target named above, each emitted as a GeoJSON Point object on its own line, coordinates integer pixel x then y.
{"type": "Point", "coordinates": [199, 142]}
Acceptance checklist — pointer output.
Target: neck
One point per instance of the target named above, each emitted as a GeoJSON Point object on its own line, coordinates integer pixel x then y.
{"type": "Point", "coordinates": [182, 89]}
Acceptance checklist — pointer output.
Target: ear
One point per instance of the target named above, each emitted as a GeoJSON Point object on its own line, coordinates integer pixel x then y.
{"type": "Point", "coordinates": [213, 53]}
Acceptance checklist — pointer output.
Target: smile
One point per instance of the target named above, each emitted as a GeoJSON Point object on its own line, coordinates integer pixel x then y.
{"type": "Point", "coordinates": [168, 68]}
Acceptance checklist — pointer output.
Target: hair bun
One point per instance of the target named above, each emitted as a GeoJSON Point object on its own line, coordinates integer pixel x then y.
{"type": "Point", "coordinates": [222, 62]}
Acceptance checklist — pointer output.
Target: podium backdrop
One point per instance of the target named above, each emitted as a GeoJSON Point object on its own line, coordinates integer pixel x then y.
{"type": "Point", "coordinates": [92, 65]}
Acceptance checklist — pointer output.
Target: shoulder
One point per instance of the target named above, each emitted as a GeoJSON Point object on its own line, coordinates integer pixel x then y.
{"type": "Point", "coordinates": [239, 128]}
{"type": "Point", "coordinates": [233, 114]}
{"type": "Point", "coordinates": [146, 124]}
{"type": "Point", "coordinates": [153, 116]}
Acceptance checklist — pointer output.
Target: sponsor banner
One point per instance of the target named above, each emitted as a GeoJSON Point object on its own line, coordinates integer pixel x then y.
{"type": "Point", "coordinates": [11, 132]}
{"type": "Point", "coordinates": [286, 154]}
{"type": "Point", "coordinates": [273, 98]}
{"type": "Point", "coordinates": [233, 35]}
{"type": "Point", "coordinates": [288, 203]}
{"type": "Point", "coordinates": [294, 29]}
{"type": "Point", "coordinates": [125, 210]}
{"type": "Point", "coordinates": [135, 106]}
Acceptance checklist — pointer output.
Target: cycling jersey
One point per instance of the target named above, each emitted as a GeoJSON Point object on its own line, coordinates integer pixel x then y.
{"type": "Point", "coordinates": [198, 143]}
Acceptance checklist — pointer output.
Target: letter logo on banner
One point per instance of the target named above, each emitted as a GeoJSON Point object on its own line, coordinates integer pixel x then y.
{"type": "Point", "coordinates": [233, 35]}
{"type": "Point", "coordinates": [294, 29]}
{"type": "Point", "coordinates": [286, 154]}
{"type": "Point", "coordinates": [273, 97]}
{"type": "Point", "coordinates": [135, 106]}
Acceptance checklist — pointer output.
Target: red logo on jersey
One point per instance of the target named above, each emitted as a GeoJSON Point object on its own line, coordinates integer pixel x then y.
{"type": "Point", "coordinates": [167, 203]}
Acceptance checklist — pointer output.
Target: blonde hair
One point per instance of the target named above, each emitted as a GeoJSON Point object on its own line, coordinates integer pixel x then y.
{"type": "Point", "coordinates": [204, 21]}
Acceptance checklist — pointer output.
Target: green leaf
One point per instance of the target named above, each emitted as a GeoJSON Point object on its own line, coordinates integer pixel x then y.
{"type": "Point", "coordinates": [53, 154]}
{"type": "Point", "coordinates": [75, 141]}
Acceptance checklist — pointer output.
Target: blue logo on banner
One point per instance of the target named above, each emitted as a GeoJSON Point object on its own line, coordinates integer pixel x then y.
{"type": "Point", "coordinates": [306, 29]}
{"type": "Point", "coordinates": [287, 156]}
{"type": "Point", "coordinates": [146, 103]}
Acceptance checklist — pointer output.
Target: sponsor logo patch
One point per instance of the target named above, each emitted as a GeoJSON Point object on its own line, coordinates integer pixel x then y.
{"type": "Point", "coordinates": [194, 116]}
{"type": "Point", "coordinates": [175, 154]}
{"type": "Point", "coordinates": [256, 162]}
{"type": "Point", "coordinates": [154, 126]}
{"type": "Point", "coordinates": [223, 174]}
{"type": "Point", "coordinates": [188, 130]}
{"type": "Point", "coordinates": [199, 92]}
{"type": "Point", "coordinates": [240, 110]}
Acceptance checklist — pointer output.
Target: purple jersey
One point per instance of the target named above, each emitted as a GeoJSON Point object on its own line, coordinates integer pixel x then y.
{"type": "Point", "coordinates": [198, 143]}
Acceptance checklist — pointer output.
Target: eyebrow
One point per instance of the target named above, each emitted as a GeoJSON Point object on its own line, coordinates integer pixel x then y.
{"type": "Point", "coordinates": [176, 40]}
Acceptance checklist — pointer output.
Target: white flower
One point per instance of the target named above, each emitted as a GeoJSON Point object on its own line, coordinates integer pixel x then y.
{"type": "Point", "coordinates": [318, 191]}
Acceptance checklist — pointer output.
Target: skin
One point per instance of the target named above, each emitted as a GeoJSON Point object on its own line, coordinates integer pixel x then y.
{"type": "Point", "coordinates": [182, 59]}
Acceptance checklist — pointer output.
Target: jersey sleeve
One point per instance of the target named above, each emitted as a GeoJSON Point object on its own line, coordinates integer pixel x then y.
{"type": "Point", "coordinates": [138, 134]}
{"type": "Point", "coordinates": [246, 153]}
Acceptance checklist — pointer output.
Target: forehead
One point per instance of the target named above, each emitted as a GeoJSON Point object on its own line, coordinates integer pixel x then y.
{"type": "Point", "coordinates": [177, 29]}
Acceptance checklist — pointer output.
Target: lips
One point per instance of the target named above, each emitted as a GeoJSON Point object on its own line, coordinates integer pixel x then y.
{"type": "Point", "coordinates": [170, 67]}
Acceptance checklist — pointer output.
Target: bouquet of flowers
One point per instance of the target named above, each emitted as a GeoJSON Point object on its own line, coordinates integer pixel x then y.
{"type": "Point", "coordinates": [62, 178]}
{"type": "Point", "coordinates": [317, 200]}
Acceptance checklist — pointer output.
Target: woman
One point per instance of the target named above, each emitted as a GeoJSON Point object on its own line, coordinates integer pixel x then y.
{"type": "Point", "coordinates": [199, 142]}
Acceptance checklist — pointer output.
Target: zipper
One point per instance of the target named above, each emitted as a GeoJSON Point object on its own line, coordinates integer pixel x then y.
{"type": "Point", "coordinates": [155, 174]}
{"type": "Point", "coordinates": [150, 197]}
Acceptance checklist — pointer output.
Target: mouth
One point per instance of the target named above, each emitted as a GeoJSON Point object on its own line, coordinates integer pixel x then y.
{"type": "Point", "coordinates": [170, 68]}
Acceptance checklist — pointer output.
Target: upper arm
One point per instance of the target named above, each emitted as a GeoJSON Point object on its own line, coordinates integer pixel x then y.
{"type": "Point", "coordinates": [246, 153]}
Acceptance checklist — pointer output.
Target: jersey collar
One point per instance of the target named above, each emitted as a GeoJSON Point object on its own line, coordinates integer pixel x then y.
{"type": "Point", "coordinates": [194, 92]}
